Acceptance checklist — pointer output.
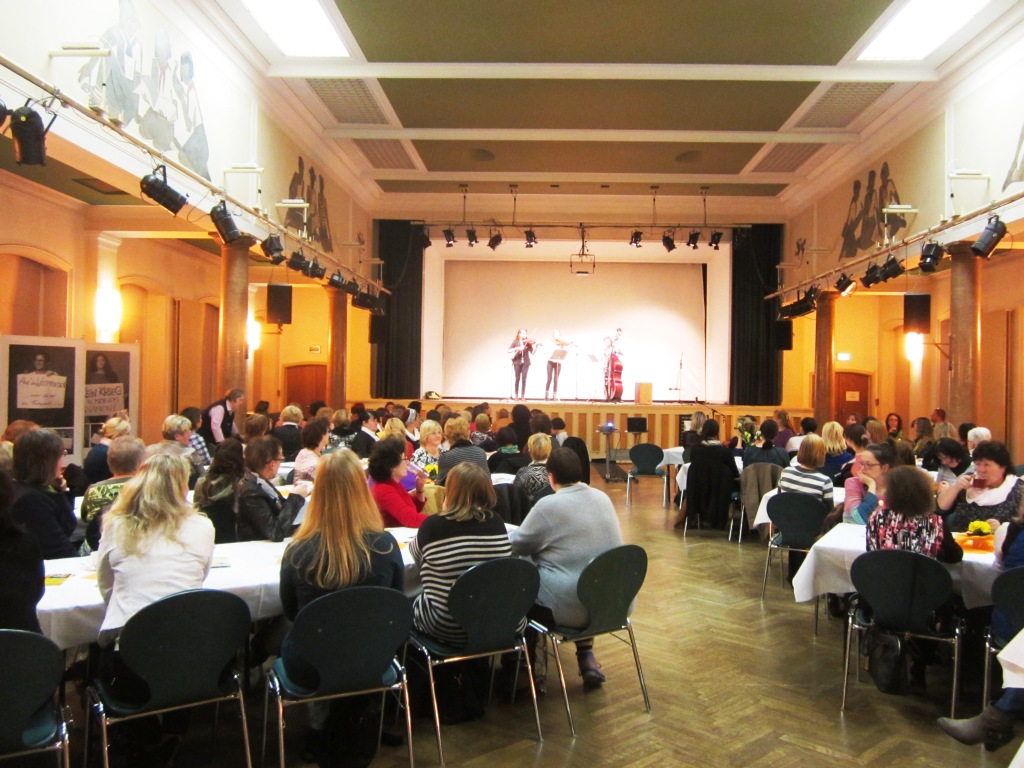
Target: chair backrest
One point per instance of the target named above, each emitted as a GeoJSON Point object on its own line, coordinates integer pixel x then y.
{"type": "Point", "coordinates": [181, 645]}
{"type": "Point", "coordinates": [350, 636]}
{"type": "Point", "coordinates": [756, 480]}
{"type": "Point", "coordinates": [1008, 597]}
{"type": "Point", "coordinates": [798, 518]}
{"type": "Point", "coordinates": [609, 584]}
{"type": "Point", "coordinates": [223, 513]}
{"type": "Point", "coordinates": [646, 457]}
{"type": "Point", "coordinates": [903, 588]}
{"type": "Point", "coordinates": [577, 446]}
{"type": "Point", "coordinates": [512, 504]}
{"type": "Point", "coordinates": [32, 669]}
{"type": "Point", "coordinates": [490, 600]}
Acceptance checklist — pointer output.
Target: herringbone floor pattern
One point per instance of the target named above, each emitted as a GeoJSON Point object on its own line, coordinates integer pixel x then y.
{"type": "Point", "coordinates": [734, 681]}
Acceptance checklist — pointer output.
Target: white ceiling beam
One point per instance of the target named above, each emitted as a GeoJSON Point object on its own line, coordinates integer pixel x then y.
{"type": "Point", "coordinates": [592, 134]}
{"type": "Point", "coordinates": [589, 178]}
{"type": "Point", "coordinates": [854, 73]}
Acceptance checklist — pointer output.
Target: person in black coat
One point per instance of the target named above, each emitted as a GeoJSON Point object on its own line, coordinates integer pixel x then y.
{"type": "Point", "coordinates": [21, 568]}
{"type": "Point", "coordinates": [290, 433]}
{"type": "Point", "coordinates": [366, 437]}
{"type": "Point", "coordinates": [711, 479]}
{"type": "Point", "coordinates": [263, 513]}
{"type": "Point", "coordinates": [40, 504]}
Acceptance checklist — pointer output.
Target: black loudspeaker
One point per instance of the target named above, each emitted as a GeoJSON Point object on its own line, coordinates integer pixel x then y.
{"type": "Point", "coordinates": [636, 425]}
{"type": "Point", "coordinates": [783, 335]}
{"type": "Point", "coordinates": [279, 304]}
{"type": "Point", "coordinates": [917, 313]}
{"type": "Point", "coordinates": [378, 329]}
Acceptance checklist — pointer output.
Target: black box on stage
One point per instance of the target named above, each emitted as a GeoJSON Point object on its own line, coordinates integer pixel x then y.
{"type": "Point", "coordinates": [279, 304]}
{"type": "Point", "coordinates": [783, 335]}
{"type": "Point", "coordinates": [917, 313]}
{"type": "Point", "coordinates": [636, 424]}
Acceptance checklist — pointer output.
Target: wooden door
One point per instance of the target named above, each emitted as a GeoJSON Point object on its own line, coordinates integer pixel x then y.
{"type": "Point", "coordinates": [305, 383]}
{"type": "Point", "coordinates": [851, 395]}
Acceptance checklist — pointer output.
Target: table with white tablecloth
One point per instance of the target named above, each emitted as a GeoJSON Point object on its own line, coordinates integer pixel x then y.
{"type": "Point", "coordinates": [827, 568]}
{"type": "Point", "coordinates": [838, 496]}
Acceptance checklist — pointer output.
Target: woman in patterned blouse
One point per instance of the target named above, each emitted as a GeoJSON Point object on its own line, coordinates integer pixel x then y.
{"type": "Point", "coordinates": [909, 521]}
{"type": "Point", "coordinates": [533, 478]}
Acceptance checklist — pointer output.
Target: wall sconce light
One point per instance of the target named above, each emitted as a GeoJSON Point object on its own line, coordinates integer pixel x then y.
{"type": "Point", "coordinates": [108, 311]}
{"type": "Point", "coordinates": [156, 188]}
{"type": "Point", "coordinates": [913, 347]}
{"type": "Point", "coordinates": [225, 223]}
{"type": "Point", "coordinates": [253, 333]}
{"type": "Point", "coordinates": [994, 231]}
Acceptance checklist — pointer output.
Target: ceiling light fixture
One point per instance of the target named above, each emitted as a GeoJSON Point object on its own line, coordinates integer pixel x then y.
{"type": "Point", "coordinates": [298, 261]}
{"type": "Point", "coordinates": [846, 285]}
{"type": "Point", "coordinates": [716, 238]}
{"type": "Point", "coordinates": [154, 186]}
{"type": "Point", "coordinates": [424, 238]}
{"type": "Point", "coordinates": [272, 248]}
{"type": "Point", "coordinates": [804, 305]}
{"type": "Point", "coordinates": [225, 223]}
{"type": "Point", "coordinates": [298, 28]}
{"type": "Point", "coordinates": [336, 280]}
{"type": "Point", "coordinates": [994, 231]}
{"type": "Point", "coordinates": [314, 270]}
{"type": "Point", "coordinates": [635, 238]}
{"type": "Point", "coordinates": [872, 276]}
{"type": "Point", "coordinates": [471, 237]}
{"type": "Point", "coordinates": [693, 239]}
{"type": "Point", "coordinates": [892, 268]}
{"type": "Point", "coordinates": [449, 238]}
{"type": "Point", "coordinates": [669, 240]}
{"type": "Point", "coordinates": [494, 240]}
{"type": "Point", "coordinates": [931, 255]}
{"type": "Point", "coordinates": [29, 135]}
{"type": "Point", "coordinates": [531, 238]}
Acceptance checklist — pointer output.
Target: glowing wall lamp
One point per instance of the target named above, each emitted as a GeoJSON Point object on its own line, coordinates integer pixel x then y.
{"type": "Point", "coordinates": [108, 312]}
{"type": "Point", "coordinates": [253, 334]}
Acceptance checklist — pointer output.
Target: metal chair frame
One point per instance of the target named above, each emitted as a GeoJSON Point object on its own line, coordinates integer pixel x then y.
{"type": "Point", "coordinates": [798, 516]}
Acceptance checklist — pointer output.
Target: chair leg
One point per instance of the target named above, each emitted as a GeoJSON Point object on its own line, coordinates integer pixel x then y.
{"type": "Point", "coordinates": [408, 716]}
{"type": "Point", "coordinates": [664, 492]}
{"type": "Point", "coordinates": [817, 603]}
{"type": "Point", "coordinates": [103, 738]}
{"type": "Point", "coordinates": [846, 661]}
{"type": "Point", "coordinates": [437, 712]}
{"type": "Point", "coordinates": [987, 682]}
{"type": "Point", "coordinates": [533, 686]}
{"type": "Point", "coordinates": [767, 565]}
{"type": "Point", "coordinates": [740, 523]}
{"type": "Point", "coordinates": [245, 726]}
{"type": "Point", "coordinates": [957, 638]}
{"type": "Point", "coordinates": [279, 703]}
{"type": "Point", "coordinates": [629, 477]}
{"type": "Point", "coordinates": [555, 645]}
{"type": "Point", "coordinates": [639, 669]}
{"type": "Point", "coordinates": [266, 710]}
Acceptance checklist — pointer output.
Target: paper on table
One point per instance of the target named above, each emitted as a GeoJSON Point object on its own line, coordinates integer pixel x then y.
{"type": "Point", "coordinates": [56, 579]}
{"type": "Point", "coordinates": [221, 562]}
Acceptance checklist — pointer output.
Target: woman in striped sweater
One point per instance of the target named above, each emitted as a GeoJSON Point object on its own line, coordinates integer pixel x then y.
{"type": "Point", "coordinates": [466, 533]}
{"type": "Point", "coordinates": [805, 477]}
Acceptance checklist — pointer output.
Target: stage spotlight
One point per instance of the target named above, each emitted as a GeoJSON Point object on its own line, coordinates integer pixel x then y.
{"type": "Point", "coordinates": [29, 135]}
{"type": "Point", "coordinates": [892, 268]}
{"type": "Point", "coordinates": [4, 113]}
{"type": "Point", "coordinates": [931, 255]}
{"type": "Point", "coordinates": [272, 248]}
{"type": "Point", "coordinates": [494, 241]}
{"type": "Point", "coordinates": [364, 300]}
{"type": "Point", "coordinates": [995, 230]}
{"type": "Point", "coordinates": [314, 270]}
{"type": "Point", "coordinates": [156, 188]}
{"type": "Point", "coordinates": [716, 238]}
{"type": "Point", "coordinates": [351, 286]}
{"type": "Point", "coordinates": [669, 241]}
{"type": "Point", "coordinates": [802, 306]}
{"type": "Point", "coordinates": [846, 285]}
{"type": "Point", "coordinates": [693, 239]}
{"type": "Point", "coordinates": [635, 238]}
{"type": "Point", "coordinates": [471, 237]}
{"type": "Point", "coordinates": [336, 280]}
{"type": "Point", "coordinates": [449, 238]}
{"type": "Point", "coordinates": [872, 276]}
{"type": "Point", "coordinates": [298, 262]}
{"type": "Point", "coordinates": [531, 238]}
{"type": "Point", "coordinates": [225, 223]}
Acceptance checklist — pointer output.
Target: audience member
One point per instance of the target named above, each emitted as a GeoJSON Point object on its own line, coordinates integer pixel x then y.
{"type": "Point", "coordinates": [768, 452]}
{"type": "Point", "coordinates": [866, 489]}
{"type": "Point", "coordinates": [124, 458]}
{"type": "Point", "coordinates": [289, 431]}
{"type": "Point", "coordinates": [263, 513]}
{"type": "Point", "coordinates": [507, 460]}
{"type": "Point", "coordinates": [993, 492]}
{"type": "Point", "coordinates": [456, 432]}
{"type": "Point", "coordinates": [808, 426]}
{"type": "Point", "coordinates": [40, 504]}
{"type": "Point", "coordinates": [533, 478]}
{"type": "Point", "coordinates": [908, 520]}
{"type": "Point", "coordinates": [894, 426]}
{"type": "Point", "coordinates": [255, 425]}
{"type": "Point", "coordinates": [785, 433]}
{"type": "Point", "coordinates": [387, 468]}
{"type": "Point", "coordinates": [21, 568]}
{"type": "Point", "coordinates": [195, 440]}
{"type": "Point", "coordinates": [216, 493]}
{"type": "Point", "coordinates": [314, 439]}
{"type": "Point", "coordinates": [365, 438]}
{"type": "Point", "coordinates": [953, 458]}
{"type": "Point", "coordinates": [95, 464]}
{"type": "Point", "coordinates": [429, 451]}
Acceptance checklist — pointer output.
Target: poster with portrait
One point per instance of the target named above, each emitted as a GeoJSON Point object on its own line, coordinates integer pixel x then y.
{"type": "Point", "coordinates": [110, 382]}
{"type": "Point", "coordinates": [41, 383]}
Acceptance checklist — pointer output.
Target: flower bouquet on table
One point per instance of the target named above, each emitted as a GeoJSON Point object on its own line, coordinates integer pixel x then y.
{"type": "Point", "coordinates": [431, 470]}
{"type": "Point", "coordinates": [749, 430]}
{"type": "Point", "coordinates": [978, 537]}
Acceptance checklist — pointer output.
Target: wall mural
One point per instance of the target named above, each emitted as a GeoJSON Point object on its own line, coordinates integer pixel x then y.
{"type": "Point", "coordinates": [1016, 172]}
{"type": "Point", "coordinates": [155, 93]}
{"type": "Point", "coordinates": [866, 226]}
{"type": "Point", "coordinates": [317, 223]}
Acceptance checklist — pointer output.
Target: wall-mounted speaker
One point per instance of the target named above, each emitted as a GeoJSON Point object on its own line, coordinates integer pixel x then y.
{"type": "Point", "coordinates": [279, 304]}
{"type": "Point", "coordinates": [917, 313]}
{"type": "Point", "coordinates": [783, 335]}
{"type": "Point", "coordinates": [378, 329]}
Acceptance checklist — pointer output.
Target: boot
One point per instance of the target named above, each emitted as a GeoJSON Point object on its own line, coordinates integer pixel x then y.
{"type": "Point", "coordinates": [590, 670]}
{"type": "Point", "coordinates": [993, 726]}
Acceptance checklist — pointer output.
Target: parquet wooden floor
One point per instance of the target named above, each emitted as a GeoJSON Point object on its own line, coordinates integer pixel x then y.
{"type": "Point", "coordinates": [733, 681]}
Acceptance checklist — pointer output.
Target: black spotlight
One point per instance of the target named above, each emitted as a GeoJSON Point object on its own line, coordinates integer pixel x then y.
{"type": "Point", "coordinates": [156, 188]}
{"type": "Point", "coordinates": [892, 268]}
{"type": "Point", "coordinates": [635, 238]}
{"type": "Point", "coordinates": [298, 261]}
{"type": "Point", "coordinates": [872, 276]}
{"type": "Point", "coordinates": [315, 270]}
{"type": "Point", "coordinates": [351, 286]}
{"type": "Point", "coordinates": [995, 230]}
{"type": "Point", "coordinates": [449, 238]}
{"type": "Point", "coordinates": [225, 223]}
{"type": "Point", "coordinates": [272, 248]}
{"type": "Point", "coordinates": [669, 240]}
{"type": "Point", "coordinates": [846, 285]}
{"type": "Point", "coordinates": [29, 135]}
{"type": "Point", "coordinates": [494, 241]}
{"type": "Point", "coordinates": [471, 237]}
{"type": "Point", "coordinates": [336, 280]}
{"type": "Point", "coordinates": [4, 112]}
{"type": "Point", "coordinates": [364, 300]}
{"type": "Point", "coordinates": [693, 239]}
{"type": "Point", "coordinates": [531, 238]}
{"type": "Point", "coordinates": [716, 238]}
{"type": "Point", "coordinates": [931, 255]}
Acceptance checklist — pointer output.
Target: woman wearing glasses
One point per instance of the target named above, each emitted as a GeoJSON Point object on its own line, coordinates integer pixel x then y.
{"type": "Point", "coordinates": [865, 491]}
{"type": "Point", "coordinates": [263, 513]}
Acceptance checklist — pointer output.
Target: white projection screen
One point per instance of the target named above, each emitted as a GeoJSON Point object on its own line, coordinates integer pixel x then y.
{"type": "Point", "coordinates": [659, 307]}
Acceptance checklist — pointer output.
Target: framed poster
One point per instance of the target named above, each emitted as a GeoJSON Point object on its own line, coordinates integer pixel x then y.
{"type": "Point", "coordinates": [111, 386]}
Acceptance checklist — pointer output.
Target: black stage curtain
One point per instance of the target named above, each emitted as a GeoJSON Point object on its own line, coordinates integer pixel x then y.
{"type": "Point", "coordinates": [398, 333]}
{"type": "Point", "coordinates": [756, 362]}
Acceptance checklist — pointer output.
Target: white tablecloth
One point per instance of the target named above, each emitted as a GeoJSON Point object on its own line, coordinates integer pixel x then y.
{"type": "Point", "coordinates": [827, 568]}
{"type": "Point", "coordinates": [838, 496]}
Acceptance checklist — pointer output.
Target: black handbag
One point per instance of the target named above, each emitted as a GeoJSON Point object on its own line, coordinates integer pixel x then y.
{"type": "Point", "coordinates": [887, 661]}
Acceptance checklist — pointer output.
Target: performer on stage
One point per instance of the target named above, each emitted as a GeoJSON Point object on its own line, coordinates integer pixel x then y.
{"type": "Point", "coordinates": [519, 352]}
{"type": "Point", "coordinates": [613, 367]}
{"type": "Point", "coordinates": [555, 364]}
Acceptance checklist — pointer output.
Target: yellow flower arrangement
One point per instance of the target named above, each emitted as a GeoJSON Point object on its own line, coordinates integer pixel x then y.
{"type": "Point", "coordinates": [431, 470]}
{"type": "Point", "coordinates": [979, 528]}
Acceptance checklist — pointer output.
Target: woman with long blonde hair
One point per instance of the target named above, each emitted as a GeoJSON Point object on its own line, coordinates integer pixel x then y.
{"type": "Point", "coordinates": [154, 543]}
{"type": "Point", "coordinates": [395, 429]}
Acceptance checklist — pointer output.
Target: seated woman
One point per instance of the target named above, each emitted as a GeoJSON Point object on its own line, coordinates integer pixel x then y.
{"type": "Point", "coordinates": [21, 568]}
{"type": "Point", "coordinates": [341, 429]}
{"type": "Point", "coordinates": [396, 428]}
{"type": "Point", "coordinates": [429, 451]}
{"type": "Point", "coordinates": [894, 426]}
{"type": "Point", "coordinates": [482, 435]}
{"type": "Point", "coordinates": [124, 456]}
{"type": "Point", "coordinates": [767, 452]}
{"type": "Point", "coordinates": [95, 464]}
{"type": "Point", "coordinates": [953, 458]}
{"type": "Point", "coordinates": [533, 478]}
{"type": "Point", "coordinates": [711, 479]}
{"type": "Point", "coordinates": [263, 513]}
{"type": "Point", "coordinates": [464, 534]}
{"type": "Point", "coordinates": [289, 431]}
{"type": "Point", "coordinates": [908, 520]}
{"type": "Point", "coordinates": [805, 477]}
{"type": "Point", "coordinates": [837, 450]}
{"type": "Point", "coordinates": [866, 490]}
{"type": "Point", "coordinates": [177, 441]}
{"type": "Point", "coordinates": [992, 493]}
{"type": "Point", "coordinates": [40, 504]}
{"type": "Point", "coordinates": [314, 440]}
{"type": "Point", "coordinates": [216, 493]}
{"type": "Point", "coordinates": [387, 469]}
{"type": "Point", "coordinates": [920, 435]}
{"type": "Point", "coordinates": [785, 432]}
{"type": "Point", "coordinates": [507, 460]}
{"type": "Point", "coordinates": [255, 425]}
{"type": "Point", "coordinates": [456, 432]}
{"type": "Point", "coordinates": [857, 441]}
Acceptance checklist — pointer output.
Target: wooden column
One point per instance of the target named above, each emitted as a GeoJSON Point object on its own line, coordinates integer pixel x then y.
{"type": "Point", "coordinates": [965, 334]}
{"type": "Point", "coordinates": [824, 356]}
{"type": "Point", "coordinates": [337, 349]}
{"type": "Point", "coordinates": [234, 311]}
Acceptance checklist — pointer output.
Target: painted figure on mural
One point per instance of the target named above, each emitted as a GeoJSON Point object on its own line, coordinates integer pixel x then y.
{"type": "Point", "coordinates": [888, 195]}
{"type": "Point", "coordinates": [869, 216]}
{"type": "Point", "coordinates": [157, 104]}
{"type": "Point", "coordinates": [1016, 172]}
{"type": "Point", "coordinates": [294, 218]}
{"type": "Point", "coordinates": [324, 231]}
{"type": "Point", "coordinates": [194, 153]}
{"type": "Point", "coordinates": [853, 216]}
{"type": "Point", "coordinates": [111, 83]}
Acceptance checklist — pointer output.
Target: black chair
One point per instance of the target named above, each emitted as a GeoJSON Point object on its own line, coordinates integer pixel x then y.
{"type": "Point", "coordinates": [223, 514]}
{"type": "Point", "coordinates": [711, 486]}
{"type": "Point", "coordinates": [31, 721]}
{"type": "Point", "coordinates": [903, 590]}
{"type": "Point", "coordinates": [512, 503]}
{"type": "Point", "coordinates": [646, 457]}
{"type": "Point", "coordinates": [349, 638]}
{"type": "Point", "coordinates": [182, 647]}
{"type": "Point", "coordinates": [1008, 599]}
{"type": "Point", "coordinates": [489, 601]}
{"type": "Point", "coordinates": [606, 588]}
{"type": "Point", "coordinates": [796, 519]}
